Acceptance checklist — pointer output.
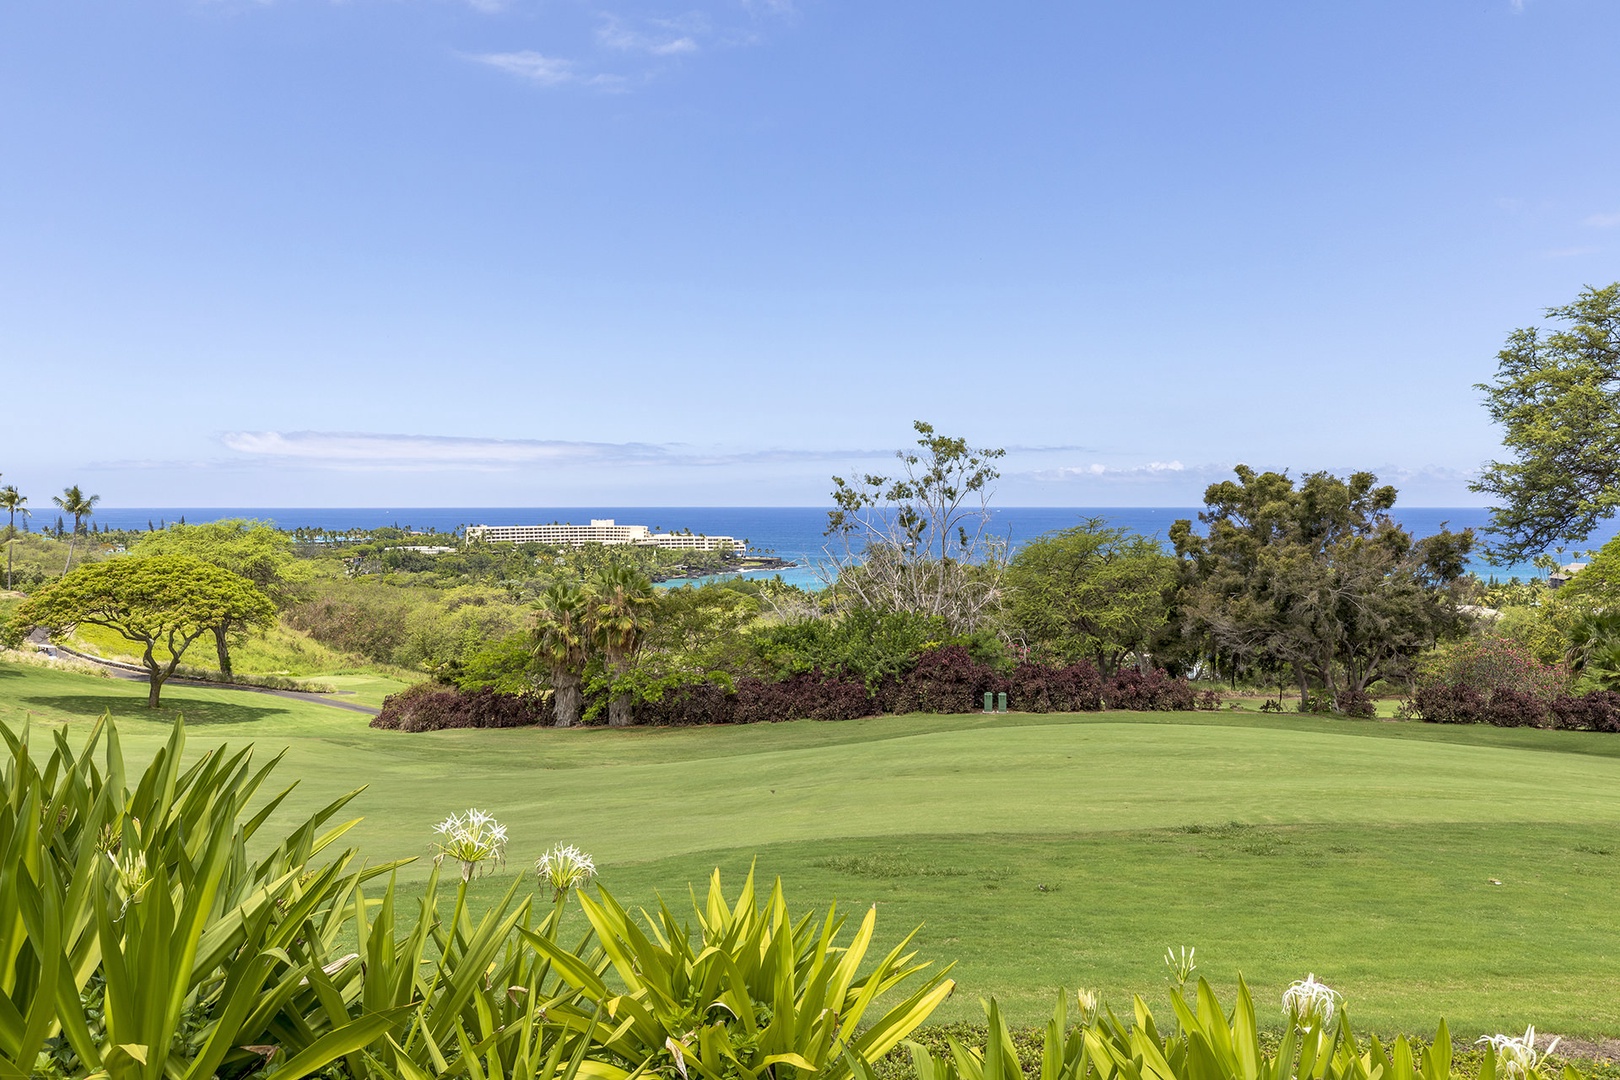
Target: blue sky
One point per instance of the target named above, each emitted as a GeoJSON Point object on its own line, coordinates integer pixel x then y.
{"type": "Point", "coordinates": [565, 252]}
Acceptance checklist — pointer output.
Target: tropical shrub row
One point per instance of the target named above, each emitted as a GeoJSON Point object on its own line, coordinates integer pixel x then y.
{"type": "Point", "coordinates": [1492, 680]}
{"type": "Point", "coordinates": [1458, 703]}
{"type": "Point", "coordinates": [942, 680]}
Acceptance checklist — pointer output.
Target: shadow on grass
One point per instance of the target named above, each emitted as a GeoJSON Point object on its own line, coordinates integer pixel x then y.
{"type": "Point", "coordinates": [196, 713]}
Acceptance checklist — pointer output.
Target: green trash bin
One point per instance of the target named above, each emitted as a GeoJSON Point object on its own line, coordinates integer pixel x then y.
{"type": "Point", "coordinates": [989, 702]}
{"type": "Point", "coordinates": [1001, 702]}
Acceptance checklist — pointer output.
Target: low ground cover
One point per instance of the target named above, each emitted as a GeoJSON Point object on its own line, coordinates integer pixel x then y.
{"type": "Point", "coordinates": [1039, 851]}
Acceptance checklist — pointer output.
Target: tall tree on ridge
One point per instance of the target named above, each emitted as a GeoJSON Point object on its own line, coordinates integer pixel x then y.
{"type": "Point", "coordinates": [13, 503]}
{"type": "Point", "coordinates": [75, 502]}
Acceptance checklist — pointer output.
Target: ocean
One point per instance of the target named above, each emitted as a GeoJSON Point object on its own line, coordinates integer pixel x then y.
{"type": "Point", "coordinates": [790, 532]}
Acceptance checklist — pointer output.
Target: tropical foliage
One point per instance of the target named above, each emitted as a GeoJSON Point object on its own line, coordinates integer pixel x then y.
{"type": "Point", "coordinates": [1203, 1041]}
{"type": "Point", "coordinates": [153, 926]}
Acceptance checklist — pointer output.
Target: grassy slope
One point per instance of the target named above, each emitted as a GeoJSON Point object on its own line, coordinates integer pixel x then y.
{"type": "Point", "coordinates": [1045, 851]}
{"type": "Point", "coordinates": [280, 650]}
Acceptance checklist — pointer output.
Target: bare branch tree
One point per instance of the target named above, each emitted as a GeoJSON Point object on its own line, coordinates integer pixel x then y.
{"type": "Point", "coordinates": [919, 542]}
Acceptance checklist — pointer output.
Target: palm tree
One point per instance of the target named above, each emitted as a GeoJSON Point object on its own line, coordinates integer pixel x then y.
{"type": "Point", "coordinates": [619, 597]}
{"type": "Point", "coordinates": [75, 502]}
{"type": "Point", "coordinates": [1594, 648]}
{"type": "Point", "coordinates": [560, 644]}
{"type": "Point", "coordinates": [12, 503]}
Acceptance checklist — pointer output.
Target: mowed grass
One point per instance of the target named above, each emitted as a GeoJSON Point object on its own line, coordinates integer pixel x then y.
{"type": "Point", "coordinates": [1038, 852]}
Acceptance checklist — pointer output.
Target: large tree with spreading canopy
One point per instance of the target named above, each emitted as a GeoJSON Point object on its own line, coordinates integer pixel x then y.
{"type": "Point", "coordinates": [1318, 579]}
{"type": "Point", "coordinates": [161, 603]}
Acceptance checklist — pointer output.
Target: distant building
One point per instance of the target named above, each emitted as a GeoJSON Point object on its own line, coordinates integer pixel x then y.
{"type": "Point", "coordinates": [600, 531]}
{"type": "Point", "coordinates": [1561, 577]}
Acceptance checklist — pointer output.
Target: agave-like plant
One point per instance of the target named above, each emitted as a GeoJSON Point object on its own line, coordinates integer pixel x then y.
{"type": "Point", "coordinates": [747, 993]}
{"type": "Point", "coordinates": [1211, 1044]}
{"type": "Point", "coordinates": [140, 937]}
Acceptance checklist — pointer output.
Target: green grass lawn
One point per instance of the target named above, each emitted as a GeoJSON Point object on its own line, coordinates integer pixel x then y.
{"type": "Point", "coordinates": [1039, 852]}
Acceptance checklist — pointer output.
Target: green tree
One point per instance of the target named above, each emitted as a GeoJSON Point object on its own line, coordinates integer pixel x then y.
{"type": "Point", "coordinates": [621, 599]}
{"type": "Point", "coordinates": [1318, 579]}
{"type": "Point", "coordinates": [694, 630]}
{"type": "Point", "coordinates": [13, 503]}
{"type": "Point", "coordinates": [562, 645]}
{"type": "Point", "coordinates": [75, 502]}
{"type": "Point", "coordinates": [920, 542]}
{"type": "Point", "coordinates": [251, 549]}
{"type": "Point", "coordinates": [162, 603]}
{"type": "Point", "coordinates": [1090, 592]}
{"type": "Point", "coordinates": [1557, 397]}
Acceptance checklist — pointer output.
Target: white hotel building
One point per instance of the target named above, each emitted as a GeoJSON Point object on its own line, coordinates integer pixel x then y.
{"type": "Point", "coordinates": [600, 531]}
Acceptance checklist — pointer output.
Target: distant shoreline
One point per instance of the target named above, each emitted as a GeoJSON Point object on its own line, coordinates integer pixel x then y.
{"type": "Point", "coordinates": [747, 564]}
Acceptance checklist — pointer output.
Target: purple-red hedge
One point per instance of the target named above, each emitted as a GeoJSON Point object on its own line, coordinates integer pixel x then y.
{"type": "Point", "coordinates": [809, 695]}
{"type": "Point", "coordinates": [1040, 689]}
{"type": "Point", "coordinates": [1150, 691]}
{"type": "Point", "coordinates": [431, 707]}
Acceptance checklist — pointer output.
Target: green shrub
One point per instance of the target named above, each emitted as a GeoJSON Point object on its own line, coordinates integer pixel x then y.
{"type": "Point", "coordinates": [754, 994]}
{"type": "Point", "coordinates": [1204, 1042]}
{"type": "Point", "coordinates": [1489, 663]}
{"type": "Point", "coordinates": [867, 645]}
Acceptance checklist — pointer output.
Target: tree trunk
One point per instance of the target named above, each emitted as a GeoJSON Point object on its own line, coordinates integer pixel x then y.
{"type": "Point", "coordinates": [154, 677]}
{"type": "Point", "coordinates": [619, 711]}
{"type": "Point", "coordinates": [222, 647]}
{"type": "Point", "coordinates": [565, 699]}
{"type": "Point", "coordinates": [1304, 685]}
{"type": "Point", "coordinates": [69, 562]}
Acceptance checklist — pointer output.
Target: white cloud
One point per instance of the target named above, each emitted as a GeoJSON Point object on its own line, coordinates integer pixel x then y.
{"type": "Point", "coordinates": [359, 449]}
{"type": "Point", "coordinates": [1097, 470]}
{"type": "Point", "coordinates": [1602, 221]}
{"type": "Point", "coordinates": [528, 64]}
{"type": "Point", "coordinates": [365, 450]}
{"type": "Point", "coordinates": [668, 37]}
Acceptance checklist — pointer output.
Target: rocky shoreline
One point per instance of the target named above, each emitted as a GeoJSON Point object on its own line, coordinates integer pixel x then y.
{"type": "Point", "coordinates": [747, 564]}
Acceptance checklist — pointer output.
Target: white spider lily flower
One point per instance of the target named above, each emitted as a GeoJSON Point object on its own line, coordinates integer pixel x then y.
{"type": "Point", "coordinates": [565, 868]}
{"type": "Point", "coordinates": [1090, 1004]}
{"type": "Point", "coordinates": [1181, 967]}
{"type": "Point", "coordinates": [471, 839]}
{"type": "Point", "coordinates": [1311, 1004]}
{"type": "Point", "coordinates": [1517, 1054]}
{"type": "Point", "coordinates": [130, 868]}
